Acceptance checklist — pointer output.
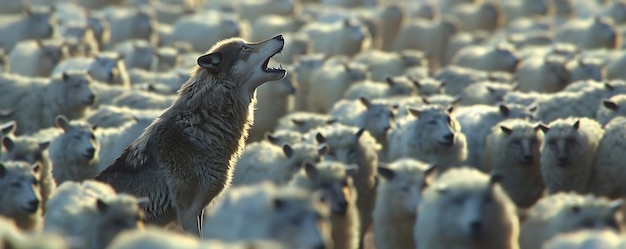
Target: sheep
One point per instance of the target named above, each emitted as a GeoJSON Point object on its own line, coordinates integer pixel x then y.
{"type": "Point", "coordinates": [304, 66]}
{"type": "Point", "coordinates": [100, 27]}
{"type": "Point", "coordinates": [380, 64]}
{"type": "Point", "coordinates": [107, 67]}
{"type": "Point", "coordinates": [377, 119]}
{"type": "Point", "coordinates": [485, 93]}
{"type": "Point", "coordinates": [392, 87]}
{"type": "Point", "coordinates": [297, 45]}
{"type": "Point", "coordinates": [288, 215]}
{"type": "Point", "coordinates": [607, 177]}
{"type": "Point", "coordinates": [6, 129]}
{"type": "Point", "coordinates": [481, 16]}
{"type": "Point", "coordinates": [431, 135]}
{"type": "Point", "coordinates": [84, 37]}
{"type": "Point", "coordinates": [512, 151]}
{"type": "Point", "coordinates": [399, 193]}
{"type": "Point", "coordinates": [432, 39]}
{"type": "Point", "coordinates": [568, 152]}
{"type": "Point", "coordinates": [137, 54]}
{"type": "Point", "coordinates": [341, 37]}
{"type": "Point", "coordinates": [526, 8]}
{"type": "Point", "coordinates": [110, 116]}
{"type": "Point", "coordinates": [34, 23]}
{"type": "Point", "coordinates": [529, 41]}
{"type": "Point", "coordinates": [12, 237]}
{"type": "Point", "coordinates": [37, 58]}
{"type": "Point", "coordinates": [332, 81]}
{"type": "Point", "coordinates": [137, 99]}
{"type": "Point", "coordinates": [115, 139]}
{"type": "Point", "coordinates": [20, 196]}
{"type": "Point", "coordinates": [276, 24]}
{"type": "Point", "coordinates": [129, 23]}
{"type": "Point", "coordinates": [584, 102]}
{"type": "Point", "coordinates": [500, 57]}
{"type": "Point", "coordinates": [274, 100]}
{"type": "Point", "coordinates": [547, 74]}
{"type": "Point", "coordinates": [93, 211]}
{"type": "Point", "coordinates": [9, 7]}
{"type": "Point", "coordinates": [583, 239]}
{"type": "Point", "coordinates": [282, 137]}
{"type": "Point", "coordinates": [303, 121]}
{"type": "Point", "coordinates": [441, 99]}
{"type": "Point", "coordinates": [203, 30]}
{"type": "Point", "coordinates": [611, 108]}
{"type": "Point", "coordinates": [466, 208]}
{"type": "Point", "coordinates": [74, 153]}
{"type": "Point", "coordinates": [460, 40]}
{"type": "Point", "coordinates": [353, 145]}
{"type": "Point", "coordinates": [167, 58]}
{"type": "Point", "coordinates": [4, 61]}
{"type": "Point", "coordinates": [476, 122]}
{"type": "Point", "coordinates": [585, 69]}
{"type": "Point", "coordinates": [458, 78]}
{"type": "Point", "coordinates": [170, 80]}
{"type": "Point", "coordinates": [590, 33]}
{"type": "Point", "coordinates": [334, 180]}
{"type": "Point", "coordinates": [567, 212]}
{"type": "Point", "coordinates": [37, 101]}
{"type": "Point", "coordinates": [262, 161]}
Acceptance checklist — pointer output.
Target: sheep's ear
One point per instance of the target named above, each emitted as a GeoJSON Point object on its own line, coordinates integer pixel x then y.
{"type": "Point", "coordinates": [8, 143]}
{"type": "Point", "coordinates": [44, 145]}
{"type": "Point", "coordinates": [352, 169]}
{"type": "Point", "coordinates": [442, 85]}
{"type": "Point", "coordinates": [495, 178]}
{"type": "Point", "coordinates": [609, 104]}
{"type": "Point", "coordinates": [3, 170]}
{"type": "Point", "coordinates": [101, 205]}
{"type": "Point", "coordinates": [365, 102]}
{"type": "Point", "coordinates": [65, 76]}
{"type": "Point", "coordinates": [359, 133]}
{"type": "Point", "coordinates": [323, 149]}
{"type": "Point", "coordinates": [450, 108]}
{"type": "Point", "coordinates": [211, 62]}
{"type": "Point", "coordinates": [616, 205]}
{"type": "Point", "coordinates": [346, 67]}
{"type": "Point", "coordinates": [389, 80]}
{"type": "Point", "coordinates": [425, 100]}
{"type": "Point", "coordinates": [271, 138]}
{"type": "Point", "coordinates": [310, 169]}
{"type": "Point", "coordinates": [94, 127]}
{"type": "Point", "coordinates": [576, 124]}
{"type": "Point", "coordinates": [514, 87]}
{"type": "Point", "coordinates": [491, 90]}
{"type": "Point", "coordinates": [39, 43]}
{"type": "Point", "coordinates": [297, 122]}
{"type": "Point", "coordinates": [415, 82]}
{"type": "Point", "coordinates": [35, 167]}
{"type": "Point", "coordinates": [430, 169]}
{"type": "Point", "coordinates": [532, 108]}
{"type": "Point", "coordinates": [320, 138]}
{"type": "Point", "coordinates": [88, 73]}
{"type": "Point", "coordinates": [395, 107]}
{"type": "Point", "coordinates": [504, 110]}
{"type": "Point", "coordinates": [143, 202]}
{"type": "Point", "coordinates": [543, 127]}
{"type": "Point", "coordinates": [331, 121]}
{"type": "Point", "coordinates": [387, 173]}
{"type": "Point", "coordinates": [415, 112]}
{"type": "Point", "coordinates": [279, 203]}
{"type": "Point", "coordinates": [288, 150]}
{"type": "Point", "coordinates": [608, 86]}
{"type": "Point", "coordinates": [8, 127]}
{"type": "Point", "coordinates": [62, 122]}
{"type": "Point", "coordinates": [506, 130]}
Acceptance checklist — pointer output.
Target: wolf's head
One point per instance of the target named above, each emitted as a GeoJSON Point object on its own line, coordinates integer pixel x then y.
{"type": "Point", "coordinates": [243, 63]}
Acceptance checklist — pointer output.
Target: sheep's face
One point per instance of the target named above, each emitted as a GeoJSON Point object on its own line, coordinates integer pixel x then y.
{"type": "Point", "coordinates": [379, 119]}
{"type": "Point", "coordinates": [24, 149]}
{"type": "Point", "coordinates": [109, 67]}
{"type": "Point", "coordinates": [80, 142]}
{"type": "Point", "coordinates": [144, 24]}
{"type": "Point", "coordinates": [53, 52]}
{"type": "Point", "coordinates": [523, 142]}
{"type": "Point", "coordinates": [18, 181]}
{"type": "Point", "coordinates": [562, 142]}
{"type": "Point", "coordinates": [300, 153]}
{"type": "Point", "coordinates": [76, 89]}
{"type": "Point", "coordinates": [143, 56]}
{"type": "Point", "coordinates": [600, 215]}
{"type": "Point", "coordinates": [299, 223]}
{"type": "Point", "coordinates": [407, 184]}
{"type": "Point", "coordinates": [437, 125]}
{"type": "Point", "coordinates": [40, 24]}
{"type": "Point", "coordinates": [121, 213]}
{"type": "Point", "coordinates": [355, 72]}
{"type": "Point", "coordinates": [335, 182]}
{"type": "Point", "coordinates": [353, 36]}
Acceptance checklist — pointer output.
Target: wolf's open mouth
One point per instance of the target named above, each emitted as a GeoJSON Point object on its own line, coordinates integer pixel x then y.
{"type": "Point", "coordinates": [273, 69]}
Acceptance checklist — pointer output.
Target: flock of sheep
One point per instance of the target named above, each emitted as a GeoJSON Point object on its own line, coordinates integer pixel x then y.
{"type": "Point", "coordinates": [400, 124]}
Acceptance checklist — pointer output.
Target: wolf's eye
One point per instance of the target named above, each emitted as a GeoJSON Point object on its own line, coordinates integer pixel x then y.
{"type": "Point", "coordinates": [244, 48]}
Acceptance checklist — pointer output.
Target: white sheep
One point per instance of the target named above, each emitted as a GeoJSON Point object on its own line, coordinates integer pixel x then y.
{"type": "Point", "coordinates": [93, 211]}
{"type": "Point", "coordinates": [543, 74]}
{"type": "Point", "coordinates": [377, 119]}
{"type": "Point", "coordinates": [115, 139]}
{"type": "Point", "coordinates": [74, 153]}
{"type": "Point", "coordinates": [399, 193]}
{"type": "Point", "coordinates": [167, 58]}
{"type": "Point", "coordinates": [37, 101]}
{"type": "Point", "coordinates": [526, 8]}
{"type": "Point", "coordinates": [590, 33]}
{"type": "Point", "coordinates": [431, 134]}
{"type": "Point", "coordinates": [331, 82]}
{"type": "Point", "coordinates": [499, 57]}
{"type": "Point", "coordinates": [611, 108]}
{"type": "Point", "coordinates": [164, 82]}
{"type": "Point", "coordinates": [460, 40]}
{"type": "Point", "coordinates": [107, 67]}
{"type": "Point", "coordinates": [274, 100]}
{"type": "Point", "coordinates": [567, 212]}
{"type": "Point", "coordinates": [288, 215]}
{"type": "Point", "coordinates": [441, 99]}
{"type": "Point", "coordinates": [352, 145]}
{"type": "Point", "coordinates": [392, 87]}
{"type": "Point", "coordinates": [203, 30]}
{"type": "Point", "coordinates": [382, 64]}
{"type": "Point", "coordinates": [476, 122]}
{"type": "Point", "coordinates": [477, 16]}
{"type": "Point", "coordinates": [276, 24]}
{"type": "Point", "coordinates": [512, 150]}
{"type": "Point", "coordinates": [607, 177]}
{"type": "Point", "coordinates": [585, 69]}
{"type": "Point", "coordinates": [37, 58]}
{"type": "Point", "coordinates": [334, 180]}
{"type": "Point", "coordinates": [137, 99]}
{"type": "Point", "coordinates": [262, 161]}
{"type": "Point", "coordinates": [296, 45]}
{"type": "Point", "coordinates": [137, 54]}
{"type": "Point", "coordinates": [304, 66]}
{"type": "Point", "coordinates": [110, 116]}
{"type": "Point", "coordinates": [20, 197]}
{"type": "Point", "coordinates": [568, 153]}
{"type": "Point", "coordinates": [33, 23]}
{"type": "Point", "coordinates": [81, 38]}
{"type": "Point", "coordinates": [485, 93]}
{"type": "Point", "coordinates": [586, 239]}
{"type": "Point", "coordinates": [430, 36]}
{"type": "Point", "coordinates": [303, 121]}
{"type": "Point", "coordinates": [12, 237]}
{"type": "Point", "coordinates": [339, 37]}
{"type": "Point", "coordinates": [466, 208]}
{"type": "Point", "coordinates": [282, 137]}
{"type": "Point", "coordinates": [130, 23]}
{"type": "Point", "coordinates": [458, 78]}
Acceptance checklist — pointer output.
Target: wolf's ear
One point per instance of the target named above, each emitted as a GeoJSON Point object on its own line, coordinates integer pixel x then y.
{"type": "Point", "coordinates": [211, 62]}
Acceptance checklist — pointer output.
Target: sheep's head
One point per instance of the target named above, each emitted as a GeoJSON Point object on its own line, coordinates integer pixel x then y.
{"type": "Point", "coordinates": [19, 183]}
{"type": "Point", "coordinates": [334, 181]}
{"type": "Point", "coordinates": [117, 214]}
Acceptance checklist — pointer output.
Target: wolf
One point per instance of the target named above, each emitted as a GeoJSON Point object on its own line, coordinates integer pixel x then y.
{"type": "Point", "coordinates": [185, 158]}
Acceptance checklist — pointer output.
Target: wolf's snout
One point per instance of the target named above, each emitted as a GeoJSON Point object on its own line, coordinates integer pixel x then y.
{"type": "Point", "coordinates": [279, 38]}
